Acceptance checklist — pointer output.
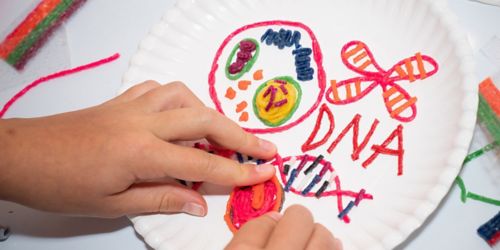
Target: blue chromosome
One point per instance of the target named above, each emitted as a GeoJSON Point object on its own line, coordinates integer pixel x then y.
{"type": "Point", "coordinates": [490, 229]}
{"type": "Point", "coordinates": [346, 210]}
{"type": "Point", "coordinates": [282, 38]}
{"type": "Point", "coordinates": [313, 183]}
{"type": "Point", "coordinates": [293, 175]}
{"type": "Point", "coordinates": [303, 64]}
{"type": "Point", "coordinates": [286, 38]}
{"type": "Point", "coordinates": [239, 157]}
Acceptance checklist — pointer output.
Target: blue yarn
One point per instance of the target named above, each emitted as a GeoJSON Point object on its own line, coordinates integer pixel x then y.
{"type": "Point", "coordinates": [288, 40]}
{"type": "Point", "coordinates": [240, 157]}
{"type": "Point", "coordinates": [296, 38]}
{"type": "Point", "coordinates": [305, 78]}
{"type": "Point", "coordinates": [313, 183]}
{"type": "Point", "coordinates": [346, 210]}
{"type": "Point", "coordinates": [282, 38]}
{"type": "Point", "coordinates": [290, 181]}
{"type": "Point", "coordinates": [490, 228]}
{"type": "Point", "coordinates": [285, 38]}
{"type": "Point", "coordinates": [305, 71]}
{"type": "Point", "coordinates": [266, 35]}
{"type": "Point", "coordinates": [302, 52]}
{"type": "Point", "coordinates": [303, 63]}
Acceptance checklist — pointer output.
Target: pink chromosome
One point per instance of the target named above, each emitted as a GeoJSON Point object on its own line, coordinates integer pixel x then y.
{"type": "Point", "coordinates": [325, 169]}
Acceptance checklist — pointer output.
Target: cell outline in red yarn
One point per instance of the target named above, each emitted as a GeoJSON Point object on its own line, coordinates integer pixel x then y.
{"type": "Point", "coordinates": [318, 58]}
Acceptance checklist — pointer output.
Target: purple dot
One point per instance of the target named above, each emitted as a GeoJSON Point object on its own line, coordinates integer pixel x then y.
{"type": "Point", "coordinates": [244, 56]}
{"type": "Point", "coordinates": [247, 46]}
{"type": "Point", "coordinates": [236, 67]}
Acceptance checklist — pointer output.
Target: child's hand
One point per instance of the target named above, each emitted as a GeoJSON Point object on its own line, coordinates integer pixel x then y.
{"type": "Point", "coordinates": [118, 158]}
{"type": "Point", "coordinates": [295, 230]}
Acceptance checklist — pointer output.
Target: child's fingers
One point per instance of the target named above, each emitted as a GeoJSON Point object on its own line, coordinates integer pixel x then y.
{"type": "Point", "coordinates": [296, 226]}
{"type": "Point", "coordinates": [255, 233]}
{"type": "Point", "coordinates": [169, 96]}
{"type": "Point", "coordinates": [162, 198]}
{"type": "Point", "coordinates": [163, 159]}
{"type": "Point", "coordinates": [321, 238]}
{"type": "Point", "coordinates": [134, 92]}
{"type": "Point", "coordinates": [197, 123]}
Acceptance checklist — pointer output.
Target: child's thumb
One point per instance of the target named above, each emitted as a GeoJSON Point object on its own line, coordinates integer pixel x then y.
{"type": "Point", "coordinates": [161, 198]}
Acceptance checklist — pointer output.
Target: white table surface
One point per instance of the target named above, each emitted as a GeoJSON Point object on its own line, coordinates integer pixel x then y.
{"type": "Point", "coordinates": [103, 27]}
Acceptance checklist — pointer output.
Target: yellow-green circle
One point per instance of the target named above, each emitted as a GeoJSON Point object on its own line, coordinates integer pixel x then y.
{"type": "Point", "coordinates": [284, 118]}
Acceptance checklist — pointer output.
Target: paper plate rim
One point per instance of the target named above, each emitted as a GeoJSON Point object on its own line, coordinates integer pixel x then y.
{"type": "Point", "coordinates": [466, 122]}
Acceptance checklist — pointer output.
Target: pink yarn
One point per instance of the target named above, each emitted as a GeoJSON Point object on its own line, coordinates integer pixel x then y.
{"type": "Point", "coordinates": [66, 72]}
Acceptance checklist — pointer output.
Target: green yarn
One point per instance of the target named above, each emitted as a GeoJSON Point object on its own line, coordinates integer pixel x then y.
{"type": "Point", "coordinates": [247, 66]}
{"type": "Point", "coordinates": [489, 118]}
{"type": "Point", "coordinates": [480, 152]}
{"type": "Point", "coordinates": [38, 32]}
{"type": "Point", "coordinates": [463, 190]}
{"type": "Point", "coordinates": [484, 199]}
{"type": "Point", "coordinates": [289, 115]}
{"type": "Point", "coordinates": [464, 194]}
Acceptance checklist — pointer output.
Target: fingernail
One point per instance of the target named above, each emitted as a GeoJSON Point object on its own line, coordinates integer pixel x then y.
{"type": "Point", "coordinates": [274, 215]}
{"type": "Point", "coordinates": [266, 145]}
{"type": "Point", "coordinates": [338, 244]}
{"type": "Point", "coordinates": [193, 209]}
{"type": "Point", "coordinates": [264, 168]}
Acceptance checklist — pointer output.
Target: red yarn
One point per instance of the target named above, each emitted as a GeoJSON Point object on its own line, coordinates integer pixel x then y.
{"type": "Point", "coordinates": [246, 203]}
{"type": "Point", "coordinates": [333, 190]}
{"type": "Point", "coordinates": [356, 149]}
{"type": "Point", "coordinates": [54, 76]}
{"type": "Point", "coordinates": [382, 149]}
{"type": "Point", "coordinates": [308, 145]}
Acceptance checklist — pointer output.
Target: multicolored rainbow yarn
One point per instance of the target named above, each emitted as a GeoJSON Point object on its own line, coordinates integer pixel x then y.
{"type": "Point", "coordinates": [33, 31]}
{"type": "Point", "coordinates": [488, 114]}
{"type": "Point", "coordinates": [489, 108]}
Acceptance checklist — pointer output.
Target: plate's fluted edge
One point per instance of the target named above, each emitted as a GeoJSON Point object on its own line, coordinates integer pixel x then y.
{"type": "Point", "coordinates": [466, 124]}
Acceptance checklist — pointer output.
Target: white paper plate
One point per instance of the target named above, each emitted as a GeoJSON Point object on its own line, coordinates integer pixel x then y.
{"type": "Point", "coordinates": [183, 47]}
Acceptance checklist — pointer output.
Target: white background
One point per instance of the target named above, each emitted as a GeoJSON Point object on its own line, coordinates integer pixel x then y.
{"type": "Point", "coordinates": [103, 27]}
